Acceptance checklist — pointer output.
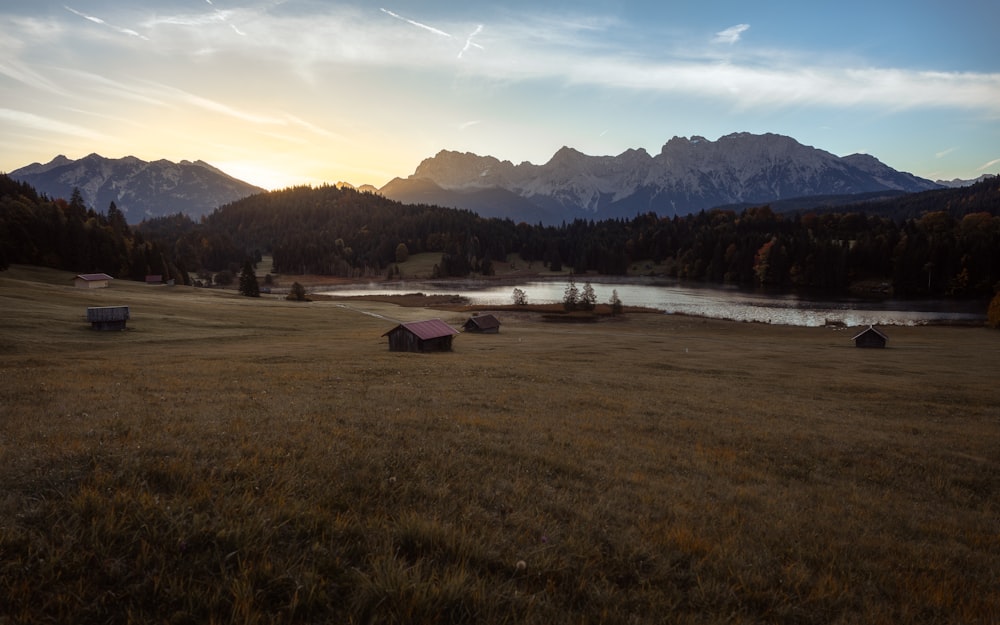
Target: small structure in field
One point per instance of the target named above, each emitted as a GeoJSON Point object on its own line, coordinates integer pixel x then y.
{"type": "Point", "coordinates": [107, 317]}
{"type": "Point", "coordinates": [485, 324]}
{"type": "Point", "coordinates": [92, 280]}
{"type": "Point", "coordinates": [870, 337]}
{"type": "Point", "coordinates": [432, 335]}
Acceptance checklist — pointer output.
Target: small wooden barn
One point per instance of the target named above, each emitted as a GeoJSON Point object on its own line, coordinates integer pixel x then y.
{"type": "Point", "coordinates": [432, 335]}
{"type": "Point", "coordinates": [92, 280]}
{"type": "Point", "coordinates": [107, 317]}
{"type": "Point", "coordinates": [870, 337]}
{"type": "Point", "coordinates": [486, 324]}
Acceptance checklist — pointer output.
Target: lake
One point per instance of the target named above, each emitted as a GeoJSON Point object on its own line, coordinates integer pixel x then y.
{"type": "Point", "coordinates": [717, 302]}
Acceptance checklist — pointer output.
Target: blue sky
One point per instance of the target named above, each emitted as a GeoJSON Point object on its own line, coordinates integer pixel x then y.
{"type": "Point", "coordinates": [283, 92]}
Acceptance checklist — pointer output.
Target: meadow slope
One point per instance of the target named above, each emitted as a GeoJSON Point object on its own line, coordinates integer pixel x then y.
{"type": "Point", "coordinates": [229, 459]}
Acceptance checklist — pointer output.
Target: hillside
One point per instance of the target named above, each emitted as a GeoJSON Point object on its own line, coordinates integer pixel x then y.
{"type": "Point", "coordinates": [344, 233]}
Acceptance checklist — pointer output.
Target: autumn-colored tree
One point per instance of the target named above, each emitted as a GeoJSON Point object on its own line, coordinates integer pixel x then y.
{"type": "Point", "coordinates": [993, 313]}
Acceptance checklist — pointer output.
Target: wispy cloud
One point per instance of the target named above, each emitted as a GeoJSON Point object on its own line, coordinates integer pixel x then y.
{"type": "Point", "coordinates": [989, 165]}
{"type": "Point", "coordinates": [97, 20]}
{"type": "Point", "coordinates": [732, 34]}
{"type": "Point", "coordinates": [31, 121]}
{"type": "Point", "coordinates": [944, 153]}
{"type": "Point", "coordinates": [436, 31]}
{"type": "Point", "coordinates": [573, 50]}
{"type": "Point", "coordinates": [190, 19]}
{"type": "Point", "coordinates": [470, 43]}
{"type": "Point", "coordinates": [30, 78]}
{"type": "Point", "coordinates": [468, 124]}
{"type": "Point", "coordinates": [214, 106]}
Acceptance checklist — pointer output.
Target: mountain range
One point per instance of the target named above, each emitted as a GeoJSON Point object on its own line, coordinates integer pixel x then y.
{"type": "Point", "coordinates": [688, 175]}
{"type": "Point", "coordinates": [138, 188]}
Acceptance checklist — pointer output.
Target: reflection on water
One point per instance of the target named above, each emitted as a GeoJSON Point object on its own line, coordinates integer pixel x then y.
{"type": "Point", "coordinates": [714, 302]}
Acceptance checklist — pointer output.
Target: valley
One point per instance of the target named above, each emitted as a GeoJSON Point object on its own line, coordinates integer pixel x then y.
{"type": "Point", "coordinates": [231, 456]}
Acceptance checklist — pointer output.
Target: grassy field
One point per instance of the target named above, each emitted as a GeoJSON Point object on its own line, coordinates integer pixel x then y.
{"type": "Point", "coordinates": [237, 460]}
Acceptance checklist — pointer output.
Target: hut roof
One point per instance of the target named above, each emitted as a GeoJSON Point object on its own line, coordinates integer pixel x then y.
{"type": "Point", "coordinates": [92, 277]}
{"type": "Point", "coordinates": [484, 322]}
{"type": "Point", "coordinates": [870, 329]}
{"type": "Point", "coordinates": [426, 330]}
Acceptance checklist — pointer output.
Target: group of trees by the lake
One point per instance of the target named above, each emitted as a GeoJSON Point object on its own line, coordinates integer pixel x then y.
{"type": "Point", "coordinates": [940, 243]}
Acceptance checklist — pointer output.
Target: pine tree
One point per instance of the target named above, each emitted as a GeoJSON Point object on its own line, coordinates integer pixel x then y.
{"type": "Point", "coordinates": [571, 296]}
{"type": "Point", "coordinates": [248, 281]}
{"type": "Point", "coordinates": [588, 299]}
{"type": "Point", "coordinates": [616, 303]}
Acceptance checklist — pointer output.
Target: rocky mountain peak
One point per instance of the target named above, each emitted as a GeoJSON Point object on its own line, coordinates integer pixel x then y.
{"type": "Point", "coordinates": [138, 188]}
{"type": "Point", "coordinates": [688, 174]}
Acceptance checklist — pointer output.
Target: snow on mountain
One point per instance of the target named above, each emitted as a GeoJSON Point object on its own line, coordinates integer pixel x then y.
{"type": "Point", "coordinates": [138, 188]}
{"type": "Point", "coordinates": [687, 175]}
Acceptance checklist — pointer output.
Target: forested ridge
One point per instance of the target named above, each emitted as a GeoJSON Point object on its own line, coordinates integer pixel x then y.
{"type": "Point", "coordinates": [66, 234]}
{"type": "Point", "coordinates": [940, 243]}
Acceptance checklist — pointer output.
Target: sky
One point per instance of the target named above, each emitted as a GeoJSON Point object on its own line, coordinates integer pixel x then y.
{"type": "Point", "coordinates": [290, 92]}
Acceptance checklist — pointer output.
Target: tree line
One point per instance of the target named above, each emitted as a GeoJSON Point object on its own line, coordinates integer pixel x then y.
{"type": "Point", "coordinates": [66, 234]}
{"type": "Point", "coordinates": [949, 247]}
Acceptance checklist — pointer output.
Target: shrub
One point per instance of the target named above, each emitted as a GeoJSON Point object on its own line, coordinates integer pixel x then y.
{"type": "Point", "coordinates": [297, 293]}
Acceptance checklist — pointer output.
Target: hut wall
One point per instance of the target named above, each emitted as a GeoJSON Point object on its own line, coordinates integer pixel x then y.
{"type": "Point", "coordinates": [90, 284]}
{"type": "Point", "coordinates": [869, 339]}
{"type": "Point", "coordinates": [108, 317]}
{"type": "Point", "coordinates": [402, 340]}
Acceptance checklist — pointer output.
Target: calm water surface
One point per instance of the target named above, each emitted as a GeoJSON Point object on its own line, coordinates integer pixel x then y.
{"type": "Point", "coordinates": [706, 301]}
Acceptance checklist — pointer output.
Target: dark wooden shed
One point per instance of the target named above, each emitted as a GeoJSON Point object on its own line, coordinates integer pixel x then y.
{"type": "Point", "coordinates": [432, 335]}
{"type": "Point", "coordinates": [486, 324]}
{"type": "Point", "coordinates": [870, 337]}
{"type": "Point", "coordinates": [108, 317]}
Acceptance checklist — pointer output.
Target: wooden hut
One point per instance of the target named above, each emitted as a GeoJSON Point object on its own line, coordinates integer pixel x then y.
{"type": "Point", "coordinates": [870, 337]}
{"type": "Point", "coordinates": [486, 324]}
{"type": "Point", "coordinates": [107, 317]}
{"type": "Point", "coordinates": [432, 335]}
{"type": "Point", "coordinates": [92, 280]}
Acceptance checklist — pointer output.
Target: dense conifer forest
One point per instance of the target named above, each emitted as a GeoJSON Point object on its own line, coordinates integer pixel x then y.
{"type": "Point", "coordinates": [66, 234]}
{"type": "Point", "coordinates": [936, 243]}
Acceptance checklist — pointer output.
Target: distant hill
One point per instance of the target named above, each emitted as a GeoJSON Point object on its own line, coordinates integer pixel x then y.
{"type": "Point", "coordinates": [958, 182]}
{"type": "Point", "coordinates": [140, 189]}
{"type": "Point", "coordinates": [688, 175]}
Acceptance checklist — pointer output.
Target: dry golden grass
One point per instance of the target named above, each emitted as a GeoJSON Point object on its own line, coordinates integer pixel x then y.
{"type": "Point", "coordinates": [229, 459]}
